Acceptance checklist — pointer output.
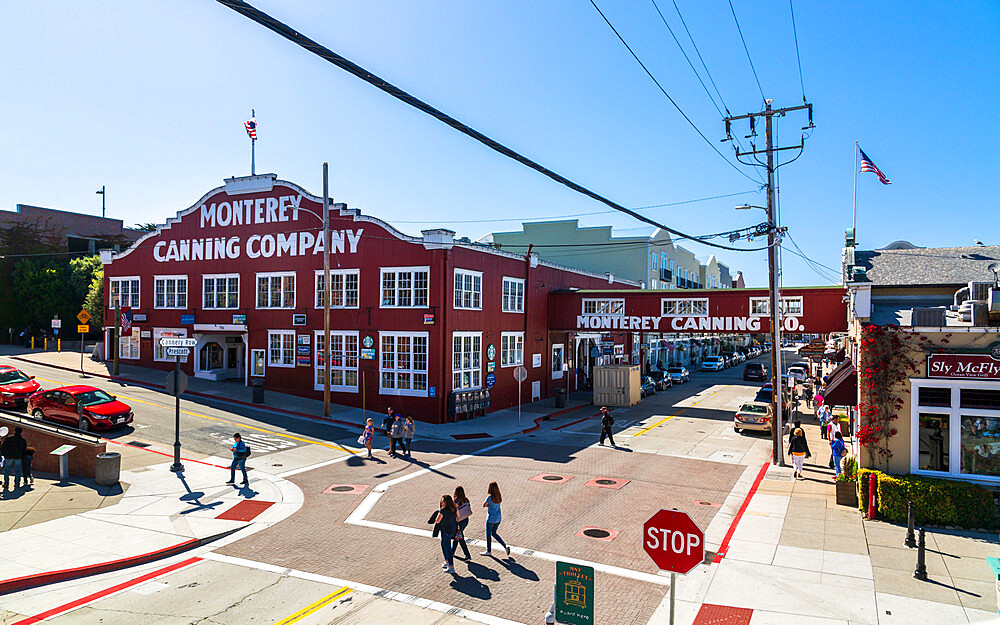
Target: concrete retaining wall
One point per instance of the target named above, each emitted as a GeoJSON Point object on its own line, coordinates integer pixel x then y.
{"type": "Point", "coordinates": [45, 438]}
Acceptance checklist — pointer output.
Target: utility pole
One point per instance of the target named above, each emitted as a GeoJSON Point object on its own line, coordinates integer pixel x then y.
{"type": "Point", "coordinates": [327, 292]}
{"type": "Point", "coordinates": [774, 232]}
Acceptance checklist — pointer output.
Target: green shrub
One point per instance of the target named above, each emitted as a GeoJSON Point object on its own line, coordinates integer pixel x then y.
{"type": "Point", "coordinates": [935, 501]}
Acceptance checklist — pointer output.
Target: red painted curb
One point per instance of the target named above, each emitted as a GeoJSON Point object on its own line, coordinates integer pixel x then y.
{"type": "Point", "coordinates": [739, 515]}
{"type": "Point", "coordinates": [16, 584]}
{"type": "Point", "coordinates": [66, 607]}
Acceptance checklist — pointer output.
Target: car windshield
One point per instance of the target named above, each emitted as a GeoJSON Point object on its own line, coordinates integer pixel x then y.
{"type": "Point", "coordinates": [754, 408]}
{"type": "Point", "coordinates": [754, 365]}
{"type": "Point", "coordinates": [93, 398]}
{"type": "Point", "coordinates": [675, 369]}
{"type": "Point", "coordinates": [712, 359]}
{"type": "Point", "coordinates": [763, 395]}
{"type": "Point", "coordinates": [13, 377]}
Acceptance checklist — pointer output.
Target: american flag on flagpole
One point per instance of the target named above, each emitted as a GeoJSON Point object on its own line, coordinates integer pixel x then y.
{"type": "Point", "coordinates": [126, 321]}
{"type": "Point", "coordinates": [868, 165]}
{"type": "Point", "coordinates": [251, 126]}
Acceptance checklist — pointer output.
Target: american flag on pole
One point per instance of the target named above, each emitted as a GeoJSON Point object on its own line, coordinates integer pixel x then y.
{"type": "Point", "coordinates": [251, 126]}
{"type": "Point", "coordinates": [868, 165]}
{"type": "Point", "coordinates": [126, 321]}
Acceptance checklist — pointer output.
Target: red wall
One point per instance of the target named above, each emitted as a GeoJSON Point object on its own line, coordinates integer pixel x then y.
{"type": "Point", "coordinates": [379, 246]}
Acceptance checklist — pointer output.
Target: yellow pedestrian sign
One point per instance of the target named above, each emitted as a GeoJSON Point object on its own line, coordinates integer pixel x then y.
{"type": "Point", "coordinates": [83, 316]}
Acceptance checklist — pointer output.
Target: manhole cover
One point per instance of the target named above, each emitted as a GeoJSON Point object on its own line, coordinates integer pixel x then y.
{"type": "Point", "coordinates": [552, 478]}
{"type": "Point", "coordinates": [596, 533]}
{"type": "Point", "coordinates": [704, 503]}
{"type": "Point", "coordinates": [606, 482]}
{"type": "Point", "coordinates": [341, 489]}
{"type": "Point", "coordinates": [137, 444]}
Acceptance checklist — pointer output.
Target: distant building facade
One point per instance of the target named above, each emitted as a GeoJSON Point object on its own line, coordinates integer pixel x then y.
{"type": "Point", "coordinates": [74, 232]}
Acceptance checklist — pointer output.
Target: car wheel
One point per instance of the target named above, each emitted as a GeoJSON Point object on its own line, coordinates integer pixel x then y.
{"type": "Point", "coordinates": [736, 429]}
{"type": "Point", "coordinates": [38, 414]}
{"type": "Point", "coordinates": [85, 426]}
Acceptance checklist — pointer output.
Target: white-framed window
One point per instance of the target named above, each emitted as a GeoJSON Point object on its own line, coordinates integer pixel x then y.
{"type": "Point", "coordinates": [513, 295]}
{"type": "Point", "coordinates": [281, 348]}
{"type": "Point", "coordinates": [343, 288]}
{"type": "Point", "coordinates": [170, 291]}
{"type": "Point", "coordinates": [403, 363]}
{"type": "Point", "coordinates": [684, 307]}
{"type": "Point", "coordinates": [125, 290]}
{"type": "Point", "coordinates": [405, 287]}
{"type": "Point", "coordinates": [466, 360]}
{"type": "Point", "coordinates": [611, 306]}
{"type": "Point", "coordinates": [276, 289]}
{"type": "Point", "coordinates": [653, 257]}
{"type": "Point", "coordinates": [220, 291]}
{"type": "Point", "coordinates": [953, 428]}
{"type": "Point", "coordinates": [761, 306]}
{"type": "Point", "coordinates": [468, 289]}
{"type": "Point", "coordinates": [511, 349]}
{"type": "Point", "coordinates": [665, 261]}
{"type": "Point", "coordinates": [343, 360]}
{"type": "Point", "coordinates": [160, 352]}
{"type": "Point", "coordinates": [128, 346]}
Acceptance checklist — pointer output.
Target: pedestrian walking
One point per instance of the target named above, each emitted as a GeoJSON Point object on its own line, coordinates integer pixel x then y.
{"type": "Point", "coordinates": [367, 435]}
{"type": "Point", "coordinates": [839, 450]}
{"type": "Point", "coordinates": [823, 423]}
{"type": "Point", "coordinates": [12, 449]}
{"type": "Point", "coordinates": [240, 454]}
{"type": "Point", "coordinates": [493, 518]}
{"type": "Point", "coordinates": [798, 449]}
{"type": "Point", "coordinates": [29, 456]}
{"type": "Point", "coordinates": [390, 416]}
{"type": "Point", "coordinates": [447, 525]}
{"type": "Point", "coordinates": [409, 429]}
{"type": "Point", "coordinates": [607, 420]}
{"type": "Point", "coordinates": [463, 512]}
{"type": "Point", "coordinates": [396, 431]}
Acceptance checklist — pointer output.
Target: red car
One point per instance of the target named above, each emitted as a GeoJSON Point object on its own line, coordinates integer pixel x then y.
{"type": "Point", "coordinates": [63, 405]}
{"type": "Point", "coordinates": [16, 387]}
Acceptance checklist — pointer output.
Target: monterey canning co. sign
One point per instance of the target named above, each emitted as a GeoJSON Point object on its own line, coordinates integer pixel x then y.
{"type": "Point", "coordinates": [966, 366]}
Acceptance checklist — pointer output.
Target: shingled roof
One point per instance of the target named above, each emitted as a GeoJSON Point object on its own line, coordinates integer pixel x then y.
{"type": "Point", "coordinates": [928, 266]}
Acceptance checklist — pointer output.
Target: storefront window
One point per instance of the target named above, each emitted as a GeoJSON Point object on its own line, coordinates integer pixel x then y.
{"type": "Point", "coordinates": [980, 445]}
{"type": "Point", "coordinates": [934, 433]}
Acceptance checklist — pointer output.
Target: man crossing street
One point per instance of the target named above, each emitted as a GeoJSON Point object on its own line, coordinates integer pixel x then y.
{"type": "Point", "coordinates": [606, 422]}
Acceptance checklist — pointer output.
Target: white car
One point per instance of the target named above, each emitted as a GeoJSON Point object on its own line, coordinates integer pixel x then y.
{"type": "Point", "coordinates": [798, 372]}
{"type": "Point", "coordinates": [713, 363]}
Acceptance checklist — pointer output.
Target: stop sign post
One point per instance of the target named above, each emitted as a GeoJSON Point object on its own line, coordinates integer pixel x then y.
{"type": "Point", "coordinates": [675, 543]}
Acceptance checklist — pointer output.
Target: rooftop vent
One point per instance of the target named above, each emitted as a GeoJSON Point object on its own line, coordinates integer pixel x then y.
{"type": "Point", "coordinates": [980, 291]}
{"type": "Point", "coordinates": [927, 317]}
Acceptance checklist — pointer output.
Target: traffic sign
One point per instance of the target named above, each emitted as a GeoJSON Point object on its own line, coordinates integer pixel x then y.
{"type": "Point", "coordinates": [179, 351]}
{"type": "Point", "coordinates": [180, 387]}
{"type": "Point", "coordinates": [673, 541]}
{"type": "Point", "coordinates": [83, 329]}
{"type": "Point", "coordinates": [574, 594]}
{"type": "Point", "coordinates": [174, 342]}
{"type": "Point", "coordinates": [83, 316]}
{"type": "Point", "coordinates": [520, 373]}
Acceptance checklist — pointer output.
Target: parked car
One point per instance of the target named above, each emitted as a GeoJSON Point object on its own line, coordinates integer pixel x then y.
{"type": "Point", "coordinates": [661, 379]}
{"type": "Point", "coordinates": [755, 371]}
{"type": "Point", "coordinates": [727, 359]}
{"type": "Point", "coordinates": [679, 374]}
{"type": "Point", "coordinates": [647, 386]}
{"type": "Point", "coordinates": [754, 415]}
{"type": "Point", "coordinates": [100, 410]}
{"type": "Point", "coordinates": [799, 372]}
{"type": "Point", "coordinates": [16, 387]}
{"type": "Point", "coordinates": [713, 363]}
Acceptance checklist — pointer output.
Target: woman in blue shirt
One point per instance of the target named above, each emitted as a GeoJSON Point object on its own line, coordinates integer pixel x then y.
{"type": "Point", "coordinates": [493, 518]}
{"type": "Point", "coordinates": [839, 450]}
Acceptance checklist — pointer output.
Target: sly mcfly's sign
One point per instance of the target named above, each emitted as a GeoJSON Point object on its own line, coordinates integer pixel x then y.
{"type": "Point", "coordinates": [283, 210]}
{"type": "Point", "coordinates": [974, 366]}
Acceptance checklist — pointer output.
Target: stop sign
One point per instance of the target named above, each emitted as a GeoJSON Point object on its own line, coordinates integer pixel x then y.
{"type": "Point", "coordinates": [673, 541]}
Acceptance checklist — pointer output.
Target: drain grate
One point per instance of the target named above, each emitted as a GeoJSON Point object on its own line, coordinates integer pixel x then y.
{"type": "Point", "coordinates": [341, 489]}
{"type": "Point", "coordinates": [552, 478]}
{"type": "Point", "coordinates": [606, 482]}
{"type": "Point", "coordinates": [138, 444]}
{"type": "Point", "coordinates": [596, 533]}
{"type": "Point", "coordinates": [345, 489]}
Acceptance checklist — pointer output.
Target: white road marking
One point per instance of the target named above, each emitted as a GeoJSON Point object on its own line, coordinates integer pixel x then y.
{"type": "Point", "coordinates": [429, 604]}
{"type": "Point", "coordinates": [310, 467]}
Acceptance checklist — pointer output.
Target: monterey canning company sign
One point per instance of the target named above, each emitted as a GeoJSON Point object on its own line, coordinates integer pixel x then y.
{"type": "Point", "coordinates": [967, 366]}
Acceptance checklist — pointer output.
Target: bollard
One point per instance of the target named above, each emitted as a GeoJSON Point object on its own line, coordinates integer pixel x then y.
{"type": "Point", "coordinates": [45, 344]}
{"type": "Point", "coordinates": [872, 490]}
{"type": "Point", "coordinates": [910, 541]}
{"type": "Point", "coordinates": [32, 342]}
{"type": "Point", "coordinates": [921, 571]}
{"type": "Point", "coordinates": [58, 345]}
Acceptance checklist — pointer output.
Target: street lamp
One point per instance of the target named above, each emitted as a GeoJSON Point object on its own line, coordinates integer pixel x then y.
{"type": "Point", "coordinates": [101, 193]}
{"type": "Point", "coordinates": [774, 295]}
{"type": "Point", "coordinates": [325, 218]}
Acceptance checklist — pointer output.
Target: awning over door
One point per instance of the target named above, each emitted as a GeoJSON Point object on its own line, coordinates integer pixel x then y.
{"type": "Point", "coordinates": [842, 389]}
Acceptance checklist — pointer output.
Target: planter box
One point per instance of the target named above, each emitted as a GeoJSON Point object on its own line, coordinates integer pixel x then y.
{"type": "Point", "coordinates": [847, 494]}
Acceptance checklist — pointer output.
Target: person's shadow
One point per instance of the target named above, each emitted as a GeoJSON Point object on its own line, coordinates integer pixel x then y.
{"type": "Point", "coordinates": [483, 572]}
{"type": "Point", "coordinates": [516, 569]}
{"type": "Point", "coordinates": [471, 586]}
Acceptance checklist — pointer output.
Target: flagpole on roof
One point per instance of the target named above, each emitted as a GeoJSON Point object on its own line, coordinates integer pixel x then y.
{"type": "Point", "coordinates": [253, 144]}
{"type": "Point", "coordinates": [854, 218]}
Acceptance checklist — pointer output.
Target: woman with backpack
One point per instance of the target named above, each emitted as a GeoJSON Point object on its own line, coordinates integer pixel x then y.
{"type": "Point", "coordinates": [240, 454]}
{"type": "Point", "coordinates": [492, 504]}
{"type": "Point", "coordinates": [446, 524]}
{"type": "Point", "coordinates": [464, 511]}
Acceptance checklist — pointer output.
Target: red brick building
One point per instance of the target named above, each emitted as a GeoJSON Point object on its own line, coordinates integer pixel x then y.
{"type": "Point", "coordinates": [414, 320]}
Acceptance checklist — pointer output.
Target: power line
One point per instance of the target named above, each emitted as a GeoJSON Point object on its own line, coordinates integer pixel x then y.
{"type": "Point", "coordinates": [746, 49]}
{"type": "Point", "coordinates": [798, 58]}
{"type": "Point", "coordinates": [332, 57]}
{"type": "Point", "coordinates": [539, 219]}
{"type": "Point", "coordinates": [686, 58]}
{"type": "Point", "coordinates": [664, 91]}
{"type": "Point", "coordinates": [698, 52]}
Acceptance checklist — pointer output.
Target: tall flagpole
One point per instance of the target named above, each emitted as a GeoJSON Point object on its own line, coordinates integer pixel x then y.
{"type": "Point", "coordinates": [854, 219]}
{"type": "Point", "coordinates": [253, 144]}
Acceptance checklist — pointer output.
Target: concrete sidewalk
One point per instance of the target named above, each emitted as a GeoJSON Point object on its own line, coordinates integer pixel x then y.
{"type": "Point", "coordinates": [498, 424]}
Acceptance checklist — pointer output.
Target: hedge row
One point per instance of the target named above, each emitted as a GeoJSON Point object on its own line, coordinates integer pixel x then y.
{"type": "Point", "coordinates": [935, 501]}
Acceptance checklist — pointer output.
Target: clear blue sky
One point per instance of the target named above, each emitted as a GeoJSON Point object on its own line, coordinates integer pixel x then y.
{"type": "Point", "coordinates": [149, 98]}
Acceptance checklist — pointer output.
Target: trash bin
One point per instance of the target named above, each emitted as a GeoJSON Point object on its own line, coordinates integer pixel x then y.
{"type": "Point", "coordinates": [108, 468]}
{"type": "Point", "coordinates": [560, 398]}
{"type": "Point", "coordinates": [258, 391]}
